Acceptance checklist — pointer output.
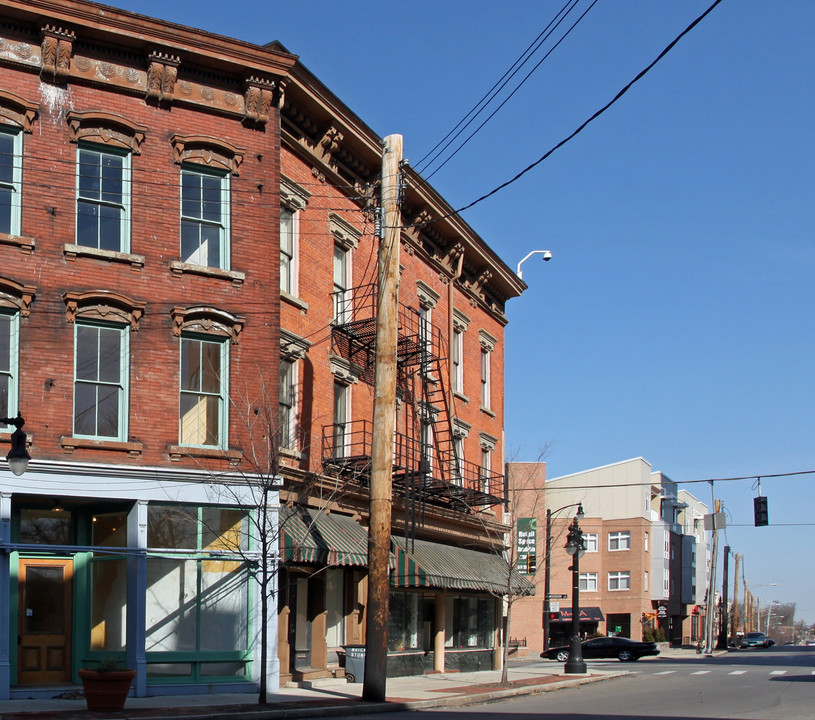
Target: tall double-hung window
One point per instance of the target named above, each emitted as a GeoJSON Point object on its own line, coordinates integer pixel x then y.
{"type": "Point", "coordinates": [11, 174]}
{"type": "Point", "coordinates": [203, 405]}
{"type": "Point", "coordinates": [100, 381]}
{"type": "Point", "coordinates": [103, 199]}
{"type": "Point", "coordinates": [9, 368]}
{"type": "Point", "coordinates": [205, 217]}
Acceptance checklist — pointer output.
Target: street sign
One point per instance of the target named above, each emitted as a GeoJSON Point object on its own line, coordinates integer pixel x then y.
{"type": "Point", "coordinates": [554, 607]}
{"type": "Point", "coordinates": [559, 597]}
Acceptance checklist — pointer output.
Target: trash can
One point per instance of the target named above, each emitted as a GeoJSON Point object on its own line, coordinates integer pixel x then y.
{"type": "Point", "coordinates": [354, 663]}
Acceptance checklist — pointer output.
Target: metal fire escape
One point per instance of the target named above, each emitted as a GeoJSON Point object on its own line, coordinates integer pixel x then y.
{"type": "Point", "coordinates": [426, 467]}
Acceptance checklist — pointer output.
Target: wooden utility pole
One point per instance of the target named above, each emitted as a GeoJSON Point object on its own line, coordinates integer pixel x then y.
{"type": "Point", "coordinates": [384, 427]}
{"type": "Point", "coordinates": [734, 622]}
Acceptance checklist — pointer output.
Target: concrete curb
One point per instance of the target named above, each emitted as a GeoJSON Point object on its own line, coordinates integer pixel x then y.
{"type": "Point", "coordinates": [358, 707]}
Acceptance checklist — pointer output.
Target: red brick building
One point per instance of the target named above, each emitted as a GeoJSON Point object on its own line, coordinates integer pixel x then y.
{"type": "Point", "coordinates": [145, 169]}
{"type": "Point", "coordinates": [448, 524]}
{"type": "Point", "coordinates": [139, 167]}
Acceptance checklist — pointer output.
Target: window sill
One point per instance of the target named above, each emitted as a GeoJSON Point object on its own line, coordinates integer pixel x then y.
{"type": "Point", "coordinates": [292, 454]}
{"type": "Point", "coordinates": [487, 411]}
{"type": "Point", "coordinates": [460, 396]}
{"type": "Point", "coordinates": [178, 268]}
{"type": "Point", "coordinates": [69, 444]}
{"type": "Point", "coordinates": [176, 452]}
{"type": "Point", "coordinates": [72, 252]}
{"type": "Point", "coordinates": [301, 305]}
{"type": "Point", "coordinates": [26, 244]}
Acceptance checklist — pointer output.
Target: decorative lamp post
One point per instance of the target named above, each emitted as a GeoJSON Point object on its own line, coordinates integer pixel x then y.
{"type": "Point", "coordinates": [575, 548]}
{"type": "Point", "coordinates": [18, 456]}
{"type": "Point", "coordinates": [547, 568]}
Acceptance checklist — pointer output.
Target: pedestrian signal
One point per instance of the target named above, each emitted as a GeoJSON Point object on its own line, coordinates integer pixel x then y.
{"type": "Point", "coordinates": [761, 514]}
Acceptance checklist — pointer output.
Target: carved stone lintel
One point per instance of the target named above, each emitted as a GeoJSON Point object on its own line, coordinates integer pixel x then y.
{"type": "Point", "coordinates": [106, 128]}
{"type": "Point", "coordinates": [57, 48]}
{"type": "Point", "coordinates": [208, 320]}
{"type": "Point", "coordinates": [16, 296]}
{"type": "Point", "coordinates": [209, 151]}
{"type": "Point", "coordinates": [103, 305]}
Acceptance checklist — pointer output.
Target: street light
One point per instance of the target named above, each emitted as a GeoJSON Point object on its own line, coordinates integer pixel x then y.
{"type": "Point", "coordinates": [18, 456]}
{"type": "Point", "coordinates": [547, 567]}
{"type": "Point", "coordinates": [575, 548]}
{"type": "Point", "coordinates": [546, 256]}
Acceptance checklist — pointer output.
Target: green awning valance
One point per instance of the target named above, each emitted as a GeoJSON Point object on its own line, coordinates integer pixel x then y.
{"type": "Point", "coordinates": [430, 564]}
{"type": "Point", "coordinates": [318, 537]}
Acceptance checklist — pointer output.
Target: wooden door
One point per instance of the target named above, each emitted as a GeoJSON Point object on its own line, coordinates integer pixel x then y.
{"type": "Point", "coordinates": [44, 641]}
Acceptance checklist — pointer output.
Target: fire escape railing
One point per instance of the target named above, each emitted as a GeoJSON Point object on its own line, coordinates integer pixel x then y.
{"type": "Point", "coordinates": [426, 466]}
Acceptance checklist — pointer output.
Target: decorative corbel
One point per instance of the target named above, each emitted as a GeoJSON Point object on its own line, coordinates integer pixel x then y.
{"type": "Point", "coordinates": [258, 97]}
{"type": "Point", "coordinates": [57, 48]}
{"type": "Point", "coordinates": [330, 141]}
{"type": "Point", "coordinates": [162, 73]}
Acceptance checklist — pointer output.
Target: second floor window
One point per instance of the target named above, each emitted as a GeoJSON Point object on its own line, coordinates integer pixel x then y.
{"type": "Point", "coordinates": [588, 582]}
{"type": "Point", "coordinates": [341, 408]}
{"type": "Point", "coordinates": [342, 291]}
{"type": "Point", "coordinates": [10, 180]}
{"type": "Point", "coordinates": [458, 355]}
{"type": "Point", "coordinates": [486, 392]}
{"type": "Point", "coordinates": [9, 353]}
{"type": "Point", "coordinates": [619, 540]}
{"type": "Point", "coordinates": [100, 381]}
{"type": "Point", "coordinates": [287, 403]}
{"type": "Point", "coordinates": [619, 580]}
{"type": "Point", "coordinates": [203, 392]}
{"type": "Point", "coordinates": [205, 218]}
{"type": "Point", "coordinates": [103, 199]}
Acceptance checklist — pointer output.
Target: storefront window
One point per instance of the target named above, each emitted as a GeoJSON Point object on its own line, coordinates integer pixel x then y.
{"type": "Point", "coordinates": [108, 603]}
{"type": "Point", "coordinates": [404, 622]}
{"type": "Point", "coordinates": [45, 527]}
{"type": "Point", "coordinates": [470, 622]}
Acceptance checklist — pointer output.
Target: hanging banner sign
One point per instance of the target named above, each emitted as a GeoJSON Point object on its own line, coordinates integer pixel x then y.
{"type": "Point", "coordinates": [527, 543]}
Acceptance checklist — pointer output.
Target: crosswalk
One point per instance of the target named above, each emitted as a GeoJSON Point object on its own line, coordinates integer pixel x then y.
{"type": "Point", "coordinates": [776, 673]}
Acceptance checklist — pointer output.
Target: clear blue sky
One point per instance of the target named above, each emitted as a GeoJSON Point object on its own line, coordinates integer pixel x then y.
{"type": "Point", "coordinates": [675, 320]}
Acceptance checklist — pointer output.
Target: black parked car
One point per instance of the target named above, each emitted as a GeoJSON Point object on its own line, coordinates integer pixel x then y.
{"type": "Point", "coordinates": [621, 648]}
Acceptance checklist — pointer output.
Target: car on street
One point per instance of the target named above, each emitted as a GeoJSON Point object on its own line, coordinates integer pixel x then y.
{"type": "Point", "coordinates": [624, 649]}
{"type": "Point", "coordinates": [755, 639]}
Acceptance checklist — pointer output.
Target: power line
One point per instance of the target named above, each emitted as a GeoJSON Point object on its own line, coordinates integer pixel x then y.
{"type": "Point", "coordinates": [500, 84]}
{"type": "Point", "coordinates": [597, 114]}
{"type": "Point", "coordinates": [507, 99]}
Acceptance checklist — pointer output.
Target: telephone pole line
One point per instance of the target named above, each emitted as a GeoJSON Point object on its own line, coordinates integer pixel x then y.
{"type": "Point", "coordinates": [384, 427]}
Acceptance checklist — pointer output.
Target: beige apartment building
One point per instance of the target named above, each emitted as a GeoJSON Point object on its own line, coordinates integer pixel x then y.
{"type": "Point", "coordinates": [646, 553]}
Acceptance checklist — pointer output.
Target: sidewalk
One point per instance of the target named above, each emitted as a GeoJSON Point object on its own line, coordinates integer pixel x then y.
{"type": "Point", "coordinates": [331, 698]}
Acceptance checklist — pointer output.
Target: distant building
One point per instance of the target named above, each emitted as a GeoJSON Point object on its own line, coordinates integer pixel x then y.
{"type": "Point", "coordinates": [640, 569]}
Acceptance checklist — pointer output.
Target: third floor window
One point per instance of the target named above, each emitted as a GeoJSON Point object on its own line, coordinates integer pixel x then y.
{"type": "Point", "coordinates": [103, 200]}
{"type": "Point", "coordinates": [10, 180]}
{"type": "Point", "coordinates": [205, 218]}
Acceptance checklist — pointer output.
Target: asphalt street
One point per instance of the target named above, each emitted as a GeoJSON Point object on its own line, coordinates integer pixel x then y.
{"type": "Point", "coordinates": [774, 684]}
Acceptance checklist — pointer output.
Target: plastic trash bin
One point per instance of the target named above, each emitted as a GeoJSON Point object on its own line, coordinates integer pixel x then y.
{"type": "Point", "coordinates": [354, 663]}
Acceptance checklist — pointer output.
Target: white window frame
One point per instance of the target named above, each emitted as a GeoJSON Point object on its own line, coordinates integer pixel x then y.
{"type": "Point", "coordinates": [619, 541]}
{"type": "Point", "coordinates": [645, 542]}
{"type": "Point", "coordinates": [11, 374]}
{"type": "Point", "coordinates": [200, 256]}
{"type": "Point", "coordinates": [121, 385]}
{"type": "Point", "coordinates": [619, 580]}
{"type": "Point", "coordinates": [485, 469]}
{"type": "Point", "coordinates": [83, 153]}
{"type": "Point", "coordinates": [458, 360]}
{"type": "Point", "coordinates": [290, 230]}
{"type": "Point", "coordinates": [342, 284]}
{"type": "Point", "coordinates": [591, 541]}
{"type": "Point", "coordinates": [645, 580]}
{"type": "Point", "coordinates": [288, 404]}
{"type": "Point", "coordinates": [15, 186]}
{"type": "Point", "coordinates": [458, 442]}
{"type": "Point", "coordinates": [588, 582]}
{"type": "Point", "coordinates": [486, 371]}
{"type": "Point", "coordinates": [341, 417]}
{"type": "Point", "coordinates": [221, 395]}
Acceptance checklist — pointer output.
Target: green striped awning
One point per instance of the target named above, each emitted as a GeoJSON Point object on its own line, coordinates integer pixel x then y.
{"type": "Point", "coordinates": [315, 536]}
{"type": "Point", "coordinates": [429, 564]}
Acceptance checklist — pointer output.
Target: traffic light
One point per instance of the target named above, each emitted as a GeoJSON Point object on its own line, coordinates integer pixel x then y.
{"type": "Point", "coordinates": [554, 615]}
{"type": "Point", "coordinates": [760, 513]}
{"type": "Point", "coordinates": [531, 563]}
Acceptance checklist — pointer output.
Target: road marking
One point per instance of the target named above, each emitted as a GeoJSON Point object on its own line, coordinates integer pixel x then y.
{"type": "Point", "coordinates": [700, 672]}
{"type": "Point", "coordinates": [778, 672]}
{"type": "Point", "coordinates": [738, 672]}
{"type": "Point", "coordinates": [669, 672]}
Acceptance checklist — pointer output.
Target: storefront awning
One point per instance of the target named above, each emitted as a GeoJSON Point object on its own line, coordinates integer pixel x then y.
{"type": "Point", "coordinates": [429, 564]}
{"type": "Point", "coordinates": [315, 536]}
{"type": "Point", "coordinates": [587, 614]}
